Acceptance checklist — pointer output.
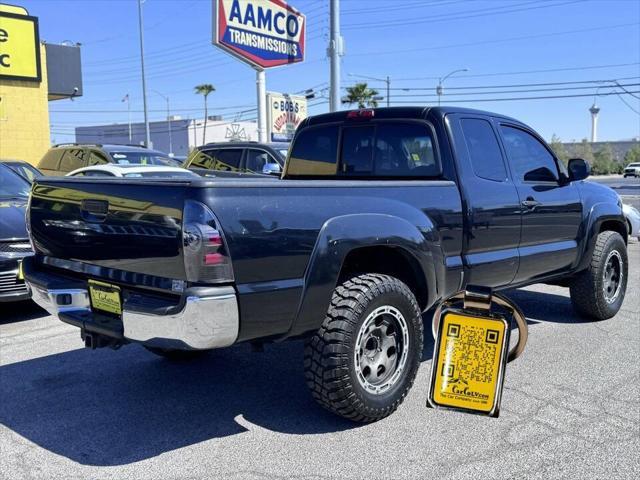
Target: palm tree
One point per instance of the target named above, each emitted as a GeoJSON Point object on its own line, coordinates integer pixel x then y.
{"type": "Point", "coordinates": [361, 94]}
{"type": "Point", "coordinates": [205, 89]}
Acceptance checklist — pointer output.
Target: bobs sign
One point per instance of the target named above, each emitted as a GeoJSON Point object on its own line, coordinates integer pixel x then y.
{"type": "Point", "coordinates": [263, 33]}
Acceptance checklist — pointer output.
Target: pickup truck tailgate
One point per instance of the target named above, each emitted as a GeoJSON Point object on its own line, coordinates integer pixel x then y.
{"type": "Point", "coordinates": [111, 223]}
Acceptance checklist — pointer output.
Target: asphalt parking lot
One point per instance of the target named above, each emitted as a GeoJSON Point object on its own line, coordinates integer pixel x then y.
{"type": "Point", "coordinates": [571, 408]}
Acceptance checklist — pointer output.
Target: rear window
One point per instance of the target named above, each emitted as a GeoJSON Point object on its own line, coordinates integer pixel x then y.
{"type": "Point", "coordinates": [383, 150]}
{"type": "Point", "coordinates": [51, 159]}
{"type": "Point", "coordinates": [314, 152]}
{"type": "Point", "coordinates": [140, 158]}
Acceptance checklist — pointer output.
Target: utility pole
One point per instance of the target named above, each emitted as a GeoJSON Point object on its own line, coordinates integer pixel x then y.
{"type": "Point", "coordinates": [335, 51]}
{"type": "Point", "coordinates": [144, 83]}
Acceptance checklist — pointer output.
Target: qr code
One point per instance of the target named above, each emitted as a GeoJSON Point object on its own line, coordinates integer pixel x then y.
{"type": "Point", "coordinates": [473, 351]}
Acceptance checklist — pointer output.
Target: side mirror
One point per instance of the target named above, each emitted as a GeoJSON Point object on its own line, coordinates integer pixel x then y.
{"type": "Point", "coordinates": [579, 169]}
{"type": "Point", "coordinates": [272, 169]}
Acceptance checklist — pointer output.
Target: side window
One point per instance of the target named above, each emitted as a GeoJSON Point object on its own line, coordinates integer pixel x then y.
{"type": "Point", "coordinates": [357, 150]}
{"type": "Point", "coordinates": [484, 151]}
{"type": "Point", "coordinates": [96, 158]}
{"type": "Point", "coordinates": [72, 159]}
{"type": "Point", "coordinates": [51, 159]}
{"type": "Point", "coordinates": [314, 152]}
{"type": "Point", "coordinates": [257, 159]}
{"type": "Point", "coordinates": [228, 159]}
{"type": "Point", "coordinates": [405, 150]}
{"type": "Point", "coordinates": [201, 159]}
{"type": "Point", "coordinates": [530, 159]}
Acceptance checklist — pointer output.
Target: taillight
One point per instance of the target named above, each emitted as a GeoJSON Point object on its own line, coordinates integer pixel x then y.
{"type": "Point", "coordinates": [206, 258]}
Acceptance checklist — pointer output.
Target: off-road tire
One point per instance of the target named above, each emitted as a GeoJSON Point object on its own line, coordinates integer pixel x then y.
{"type": "Point", "coordinates": [330, 369]}
{"type": "Point", "coordinates": [587, 294]}
{"type": "Point", "coordinates": [177, 355]}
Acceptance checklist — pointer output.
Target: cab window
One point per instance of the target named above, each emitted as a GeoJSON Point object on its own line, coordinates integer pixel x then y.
{"type": "Point", "coordinates": [530, 159]}
{"type": "Point", "coordinates": [256, 160]}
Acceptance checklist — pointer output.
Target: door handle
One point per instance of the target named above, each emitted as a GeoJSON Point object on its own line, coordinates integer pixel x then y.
{"type": "Point", "coordinates": [530, 203]}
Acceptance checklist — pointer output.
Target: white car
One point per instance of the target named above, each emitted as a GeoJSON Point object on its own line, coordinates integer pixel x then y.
{"type": "Point", "coordinates": [633, 220]}
{"type": "Point", "coordinates": [132, 171]}
{"type": "Point", "coordinates": [632, 170]}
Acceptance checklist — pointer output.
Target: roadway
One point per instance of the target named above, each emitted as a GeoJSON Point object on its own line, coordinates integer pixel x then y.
{"type": "Point", "coordinates": [571, 408]}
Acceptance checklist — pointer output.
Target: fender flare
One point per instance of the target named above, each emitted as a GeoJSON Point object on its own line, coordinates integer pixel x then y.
{"type": "Point", "coordinates": [598, 215]}
{"type": "Point", "coordinates": [341, 235]}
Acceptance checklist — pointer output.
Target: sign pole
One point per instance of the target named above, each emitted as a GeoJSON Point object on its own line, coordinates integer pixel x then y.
{"type": "Point", "coordinates": [261, 91]}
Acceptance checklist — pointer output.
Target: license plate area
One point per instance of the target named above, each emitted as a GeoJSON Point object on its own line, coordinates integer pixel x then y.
{"type": "Point", "coordinates": [105, 297]}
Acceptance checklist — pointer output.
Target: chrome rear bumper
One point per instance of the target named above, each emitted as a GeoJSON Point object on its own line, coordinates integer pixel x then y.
{"type": "Point", "coordinates": [203, 322]}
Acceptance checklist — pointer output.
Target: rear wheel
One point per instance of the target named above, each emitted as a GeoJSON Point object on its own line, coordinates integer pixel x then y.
{"type": "Point", "coordinates": [177, 355]}
{"type": "Point", "coordinates": [598, 291]}
{"type": "Point", "coordinates": [362, 361]}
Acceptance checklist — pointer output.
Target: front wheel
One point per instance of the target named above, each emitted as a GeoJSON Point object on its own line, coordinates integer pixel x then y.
{"type": "Point", "coordinates": [364, 358]}
{"type": "Point", "coordinates": [598, 291]}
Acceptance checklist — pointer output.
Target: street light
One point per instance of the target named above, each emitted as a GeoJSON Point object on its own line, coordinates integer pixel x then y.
{"type": "Point", "coordinates": [385, 80]}
{"type": "Point", "coordinates": [168, 121]}
{"type": "Point", "coordinates": [439, 90]}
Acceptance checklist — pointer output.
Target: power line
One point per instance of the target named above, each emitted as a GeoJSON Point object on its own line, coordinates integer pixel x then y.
{"type": "Point", "coordinates": [457, 16]}
{"type": "Point", "coordinates": [548, 97]}
{"type": "Point", "coordinates": [496, 41]}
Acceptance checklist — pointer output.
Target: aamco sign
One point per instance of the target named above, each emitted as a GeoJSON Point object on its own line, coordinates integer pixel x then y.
{"type": "Point", "coordinates": [263, 33]}
{"type": "Point", "coordinates": [285, 114]}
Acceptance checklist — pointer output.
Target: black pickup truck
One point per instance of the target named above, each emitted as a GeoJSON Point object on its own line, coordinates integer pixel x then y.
{"type": "Point", "coordinates": [378, 215]}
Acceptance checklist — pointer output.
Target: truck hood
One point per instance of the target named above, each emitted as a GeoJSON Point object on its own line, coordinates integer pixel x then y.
{"type": "Point", "coordinates": [12, 221]}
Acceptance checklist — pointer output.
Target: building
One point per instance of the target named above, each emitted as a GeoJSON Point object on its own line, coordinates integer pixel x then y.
{"type": "Point", "coordinates": [175, 135]}
{"type": "Point", "coordinates": [32, 73]}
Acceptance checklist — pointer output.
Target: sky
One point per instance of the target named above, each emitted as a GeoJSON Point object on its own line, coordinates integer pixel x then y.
{"type": "Point", "coordinates": [511, 48]}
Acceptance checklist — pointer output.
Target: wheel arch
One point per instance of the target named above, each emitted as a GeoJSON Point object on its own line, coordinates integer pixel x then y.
{"type": "Point", "coordinates": [348, 241]}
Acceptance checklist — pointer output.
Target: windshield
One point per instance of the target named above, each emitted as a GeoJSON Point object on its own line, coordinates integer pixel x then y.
{"type": "Point", "coordinates": [161, 175]}
{"type": "Point", "coordinates": [283, 152]}
{"type": "Point", "coordinates": [142, 158]}
{"type": "Point", "coordinates": [634, 165]}
{"type": "Point", "coordinates": [12, 185]}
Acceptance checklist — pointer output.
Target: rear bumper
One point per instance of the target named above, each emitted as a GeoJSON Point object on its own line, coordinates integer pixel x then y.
{"type": "Point", "coordinates": [204, 318]}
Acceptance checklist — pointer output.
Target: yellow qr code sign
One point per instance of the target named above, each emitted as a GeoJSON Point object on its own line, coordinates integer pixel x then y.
{"type": "Point", "coordinates": [19, 47]}
{"type": "Point", "coordinates": [469, 363]}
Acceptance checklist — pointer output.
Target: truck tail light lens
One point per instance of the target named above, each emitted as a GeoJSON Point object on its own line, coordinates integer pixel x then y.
{"type": "Point", "coordinates": [206, 257]}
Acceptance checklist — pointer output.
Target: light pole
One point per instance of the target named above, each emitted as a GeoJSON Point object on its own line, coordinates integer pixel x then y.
{"type": "Point", "coordinates": [168, 121]}
{"type": "Point", "coordinates": [386, 80]}
{"type": "Point", "coordinates": [144, 82]}
{"type": "Point", "coordinates": [439, 89]}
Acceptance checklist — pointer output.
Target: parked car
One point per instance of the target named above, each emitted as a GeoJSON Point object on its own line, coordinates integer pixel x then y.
{"type": "Point", "coordinates": [64, 158]}
{"type": "Point", "coordinates": [633, 220]}
{"type": "Point", "coordinates": [241, 157]}
{"type": "Point", "coordinates": [22, 168]}
{"type": "Point", "coordinates": [133, 171]}
{"type": "Point", "coordinates": [632, 170]}
{"type": "Point", "coordinates": [14, 243]}
{"type": "Point", "coordinates": [378, 216]}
